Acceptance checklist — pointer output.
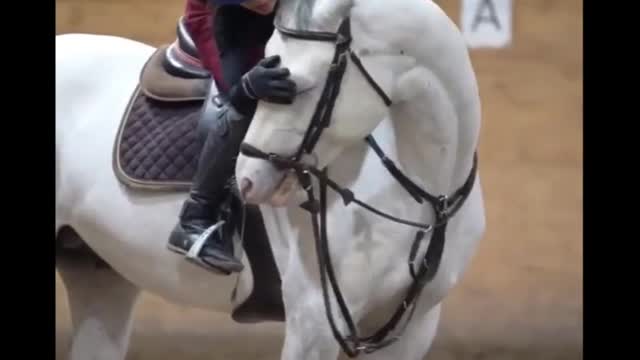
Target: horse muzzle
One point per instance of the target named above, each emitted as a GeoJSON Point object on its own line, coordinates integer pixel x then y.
{"type": "Point", "coordinates": [268, 178]}
{"type": "Point", "coordinates": [260, 182]}
{"type": "Point", "coordinates": [257, 179]}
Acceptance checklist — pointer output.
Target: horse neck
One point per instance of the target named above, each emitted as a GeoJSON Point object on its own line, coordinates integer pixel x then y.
{"type": "Point", "coordinates": [424, 144]}
{"type": "Point", "coordinates": [438, 136]}
{"type": "Point", "coordinates": [436, 111]}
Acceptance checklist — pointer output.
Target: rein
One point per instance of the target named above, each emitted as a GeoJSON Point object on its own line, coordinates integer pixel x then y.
{"type": "Point", "coordinates": [444, 206]}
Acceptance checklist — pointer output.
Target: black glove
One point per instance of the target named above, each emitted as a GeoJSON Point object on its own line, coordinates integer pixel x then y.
{"type": "Point", "coordinates": [267, 82]}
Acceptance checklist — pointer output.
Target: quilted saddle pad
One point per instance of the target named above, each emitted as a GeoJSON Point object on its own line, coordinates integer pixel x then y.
{"type": "Point", "coordinates": [157, 145]}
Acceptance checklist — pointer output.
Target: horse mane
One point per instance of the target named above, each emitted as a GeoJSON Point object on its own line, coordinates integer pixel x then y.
{"type": "Point", "coordinates": [422, 30]}
{"type": "Point", "coordinates": [441, 82]}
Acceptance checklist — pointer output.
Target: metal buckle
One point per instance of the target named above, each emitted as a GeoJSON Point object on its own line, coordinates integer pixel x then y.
{"type": "Point", "coordinates": [442, 207]}
{"type": "Point", "coordinates": [369, 348]}
{"type": "Point", "coordinates": [274, 158]}
{"type": "Point", "coordinates": [304, 178]}
{"type": "Point", "coordinates": [217, 100]}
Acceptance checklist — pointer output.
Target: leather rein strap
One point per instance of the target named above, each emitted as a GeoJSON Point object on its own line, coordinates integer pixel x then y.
{"type": "Point", "coordinates": [444, 206]}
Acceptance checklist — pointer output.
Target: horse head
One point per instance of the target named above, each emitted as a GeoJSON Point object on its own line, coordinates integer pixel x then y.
{"type": "Point", "coordinates": [345, 74]}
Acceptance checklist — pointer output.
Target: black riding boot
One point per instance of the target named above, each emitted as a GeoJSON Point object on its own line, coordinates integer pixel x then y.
{"type": "Point", "coordinates": [206, 214]}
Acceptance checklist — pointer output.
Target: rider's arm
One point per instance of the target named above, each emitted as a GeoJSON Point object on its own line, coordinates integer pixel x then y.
{"type": "Point", "coordinates": [199, 21]}
{"type": "Point", "coordinates": [241, 36]}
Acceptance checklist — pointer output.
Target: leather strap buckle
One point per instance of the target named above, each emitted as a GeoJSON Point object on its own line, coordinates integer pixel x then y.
{"type": "Point", "coordinates": [442, 208]}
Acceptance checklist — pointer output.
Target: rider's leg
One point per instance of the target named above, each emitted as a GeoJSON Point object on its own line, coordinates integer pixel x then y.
{"type": "Point", "coordinates": [211, 190]}
{"type": "Point", "coordinates": [216, 166]}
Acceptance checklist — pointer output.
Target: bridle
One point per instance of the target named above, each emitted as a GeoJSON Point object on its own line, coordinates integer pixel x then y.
{"type": "Point", "coordinates": [444, 206]}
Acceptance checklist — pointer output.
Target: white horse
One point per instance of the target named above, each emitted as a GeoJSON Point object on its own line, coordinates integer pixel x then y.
{"type": "Point", "coordinates": [412, 50]}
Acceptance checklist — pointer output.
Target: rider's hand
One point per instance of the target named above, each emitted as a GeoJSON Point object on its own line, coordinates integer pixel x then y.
{"type": "Point", "coordinates": [267, 82]}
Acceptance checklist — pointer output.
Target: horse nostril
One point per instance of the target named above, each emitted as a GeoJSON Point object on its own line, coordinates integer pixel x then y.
{"type": "Point", "coordinates": [245, 187]}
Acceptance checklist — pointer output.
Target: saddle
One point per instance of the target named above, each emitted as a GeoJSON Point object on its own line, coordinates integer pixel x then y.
{"type": "Point", "coordinates": [158, 144]}
{"type": "Point", "coordinates": [168, 116]}
{"type": "Point", "coordinates": [174, 72]}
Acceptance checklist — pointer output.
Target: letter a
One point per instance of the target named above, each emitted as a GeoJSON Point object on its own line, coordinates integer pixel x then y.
{"type": "Point", "coordinates": [487, 23]}
{"type": "Point", "coordinates": [480, 17]}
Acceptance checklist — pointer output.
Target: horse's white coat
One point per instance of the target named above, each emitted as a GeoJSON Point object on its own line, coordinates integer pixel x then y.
{"type": "Point", "coordinates": [431, 132]}
{"type": "Point", "coordinates": [417, 55]}
{"type": "Point", "coordinates": [95, 79]}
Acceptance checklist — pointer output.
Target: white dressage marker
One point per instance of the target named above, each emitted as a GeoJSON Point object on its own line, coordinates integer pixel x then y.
{"type": "Point", "coordinates": [487, 23]}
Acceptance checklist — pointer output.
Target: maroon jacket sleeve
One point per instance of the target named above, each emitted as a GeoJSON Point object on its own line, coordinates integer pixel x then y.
{"type": "Point", "coordinates": [199, 22]}
{"type": "Point", "coordinates": [199, 18]}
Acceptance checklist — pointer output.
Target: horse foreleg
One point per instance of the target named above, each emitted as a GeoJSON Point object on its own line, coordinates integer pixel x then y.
{"type": "Point", "coordinates": [101, 304]}
{"type": "Point", "coordinates": [416, 340]}
{"type": "Point", "coordinates": [307, 334]}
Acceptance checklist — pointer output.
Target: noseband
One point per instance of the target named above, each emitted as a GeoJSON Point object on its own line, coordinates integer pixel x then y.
{"type": "Point", "coordinates": [444, 206]}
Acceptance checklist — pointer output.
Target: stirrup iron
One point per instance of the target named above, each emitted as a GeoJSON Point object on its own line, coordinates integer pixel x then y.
{"type": "Point", "coordinates": [195, 249]}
